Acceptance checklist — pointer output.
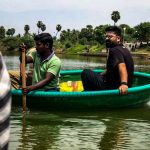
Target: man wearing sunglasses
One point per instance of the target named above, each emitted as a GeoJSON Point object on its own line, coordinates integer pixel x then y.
{"type": "Point", "coordinates": [119, 68]}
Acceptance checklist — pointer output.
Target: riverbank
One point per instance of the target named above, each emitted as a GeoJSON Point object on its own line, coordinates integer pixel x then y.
{"type": "Point", "coordinates": [143, 52]}
{"type": "Point", "coordinates": [104, 54]}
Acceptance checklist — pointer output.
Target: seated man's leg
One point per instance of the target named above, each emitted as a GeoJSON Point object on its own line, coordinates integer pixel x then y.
{"type": "Point", "coordinates": [15, 79]}
{"type": "Point", "coordinates": [91, 80]}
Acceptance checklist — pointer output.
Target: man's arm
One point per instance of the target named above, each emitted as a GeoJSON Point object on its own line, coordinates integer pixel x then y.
{"type": "Point", "coordinates": [49, 76]}
{"type": "Point", "coordinates": [123, 78]}
{"type": "Point", "coordinates": [29, 59]}
{"type": "Point", "coordinates": [104, 72]}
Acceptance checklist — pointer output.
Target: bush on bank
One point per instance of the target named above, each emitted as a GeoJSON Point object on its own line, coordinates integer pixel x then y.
{"type": "Point", "coordinates": [12, 43]}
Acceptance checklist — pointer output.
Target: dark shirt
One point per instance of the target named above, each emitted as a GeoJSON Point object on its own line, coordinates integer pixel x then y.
{"type": "Point", "coordinates": [117, 55]}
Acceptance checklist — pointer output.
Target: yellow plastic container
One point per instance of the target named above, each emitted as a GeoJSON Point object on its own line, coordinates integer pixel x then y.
{"type": "Point", "coordinates": [71, 86]}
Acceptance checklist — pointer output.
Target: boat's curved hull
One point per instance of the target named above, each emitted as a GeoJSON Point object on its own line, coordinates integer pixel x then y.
{"type": "Point", "coordinates": [137, 96]}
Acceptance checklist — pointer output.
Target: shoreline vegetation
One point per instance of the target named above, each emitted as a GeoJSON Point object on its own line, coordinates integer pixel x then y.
{"type": "Point", "coordinates": [89, 41]}
{"type": "Point", "coordinates": [85, 50]}
{"type": "Point", "coordinates": [143, 53]}
{"type": "Point", "coordinates": [104, 54]}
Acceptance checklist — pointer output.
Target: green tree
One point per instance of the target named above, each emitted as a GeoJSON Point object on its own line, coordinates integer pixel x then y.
{"type": "Point", "coordinates": [127, 32]}
{"type": "Point", "coordinates": [43, 27]}
{"type": "Point", "coordinates": [39, 24]}
{"type": "Point", "coordinates": [87, 33]}
{"type": "Point", "coordinates": [11, 43]}
{"type": "Point", "coordinates": [142, 32]}
{"type": "Point", "coordinates": [99, 33]}
{"type": "Point", "coordinates": [28, 40]}
{"type": "Point", "coordinates": [75, 36]}
{"type": "Point", "coordinates": [2, 32]}
{"type": "Point", "coordinates": [115, 16]}
{"type": "Point", "coordinates": [10, 32]}
{"type": "Point", "coordinates": [26, 29]}
{"type": "Point", "coordinates": [63, 36]}
{"type": "Point", "coordinates": [90, 32]}
{"type": "Point", "coordinates": [58, 28]}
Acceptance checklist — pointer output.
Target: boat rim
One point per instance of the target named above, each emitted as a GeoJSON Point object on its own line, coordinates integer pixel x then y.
{"type": "Point", "coordinates": [86, 93]}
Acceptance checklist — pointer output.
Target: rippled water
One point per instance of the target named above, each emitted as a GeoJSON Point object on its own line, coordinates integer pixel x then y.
{"type": "Point", "coordinates": [125, 129]}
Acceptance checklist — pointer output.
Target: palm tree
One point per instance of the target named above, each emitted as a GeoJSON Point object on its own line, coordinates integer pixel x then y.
{"type": "Point", "coordinates": [8, 32]}
{"type": "Point", "coordinates": [115, 16]}
{"type": "Point", "coordinates": [12, 31]}
{"type": "Point", "coordinates": [39, 24]}
{"type": "Point", "coordinates": [43, 27]}
{"type": "Point", "coordinates": [26, 29]}
{"type": "Point", "coordinates": [2, 32]}
{"type": "Point", "coordinates": [58, 28]}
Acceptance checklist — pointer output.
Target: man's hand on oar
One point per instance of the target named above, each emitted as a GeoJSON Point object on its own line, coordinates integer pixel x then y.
{"type": "Point", "coordinates": [23, 48]}
{"type": "Point", "coordinates": [25, 91]}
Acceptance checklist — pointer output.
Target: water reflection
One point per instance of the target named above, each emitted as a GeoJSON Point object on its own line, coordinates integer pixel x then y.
{"type": "Point", "coordinates": [113, 137]}
{"type": "Point", "coordinates": [103, 129]}
{"type": "Point", "coordinates": [56, 132]}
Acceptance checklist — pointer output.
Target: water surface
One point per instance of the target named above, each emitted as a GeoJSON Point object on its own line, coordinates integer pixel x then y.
{"type": "Point", "coordinates": [121, 129]}
{"type": "Point", "coordinates": [104, 129]}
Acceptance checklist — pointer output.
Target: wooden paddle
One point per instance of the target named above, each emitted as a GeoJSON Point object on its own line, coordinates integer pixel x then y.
{"type": "Point", "coordinates": [23, 74]}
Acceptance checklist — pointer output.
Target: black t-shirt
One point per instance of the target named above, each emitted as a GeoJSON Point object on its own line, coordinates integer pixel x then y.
{"type": "Point", "coordinates": [118, 55]}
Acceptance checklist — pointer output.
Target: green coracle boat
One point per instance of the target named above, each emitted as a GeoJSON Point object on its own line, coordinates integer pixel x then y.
{"type": "Point", "coordinates": [137, 96]}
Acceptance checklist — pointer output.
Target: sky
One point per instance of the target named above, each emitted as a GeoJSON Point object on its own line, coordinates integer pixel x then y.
{"type": "Point", "coordinates": [71, 14]}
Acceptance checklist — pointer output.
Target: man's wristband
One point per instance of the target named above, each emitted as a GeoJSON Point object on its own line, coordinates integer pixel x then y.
{"type": "Point", "coordinates": [124, 83]}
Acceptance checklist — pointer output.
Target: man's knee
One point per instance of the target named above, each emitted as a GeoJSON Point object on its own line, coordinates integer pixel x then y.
{"type": "Point", "coordinates": [85, 72]}
{"type": "Point", "coordinates": [13, 73]}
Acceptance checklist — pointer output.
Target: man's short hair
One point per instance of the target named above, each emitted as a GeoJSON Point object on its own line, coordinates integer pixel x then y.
{"type": "Point", "coordinates": [114, 29]}
{"type": "Point", "coordinates": [44, 38]}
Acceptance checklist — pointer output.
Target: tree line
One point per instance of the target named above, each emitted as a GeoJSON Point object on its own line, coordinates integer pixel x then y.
{"type": "Point", "coordinates": [88, 36]}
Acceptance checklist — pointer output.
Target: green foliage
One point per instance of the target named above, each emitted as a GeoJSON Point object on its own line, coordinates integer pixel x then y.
{"type": "Point", "coordinates": [142, 32]}
{"type": "Point", "coordinates": [75, 41]}
{"type": "Point", "coordinates": [2, 32]}
{"type": "Point", "coordinates": [58, 28]}
{"type": "Point", "coordinates": [99, 32]}
{"type": "Point", "coordinates": [28, 40]}
{"type": "Point", "coordinates": [96, 48]}
{"type": "Point", "coordinates": [57, 44]}
{"type": "Point", "coordinates": [43, 27]}
{"type": "Point", "coordinates": [115, 16]}
{"type": "Point", "coordinates": [75, 49]}
{"type": "Point", "coordinates": [148, 48]}
{"type": "Point", "coordinates": [83, 41]}
{"type": "Point", "coordinates": [40, 25]}
{"type": "Point", "coordinates": [10, 32]}
{"type": "Point", "coordinates": [144, 49]}
{"type": "Point", "coordinates": [86, 33]}
{"type": "Point", "coordinates": [68, 45]}
{"type": "Point", "coordinates": [26, 29]}
{"type": "Point", "coordinates": [13, 43]}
